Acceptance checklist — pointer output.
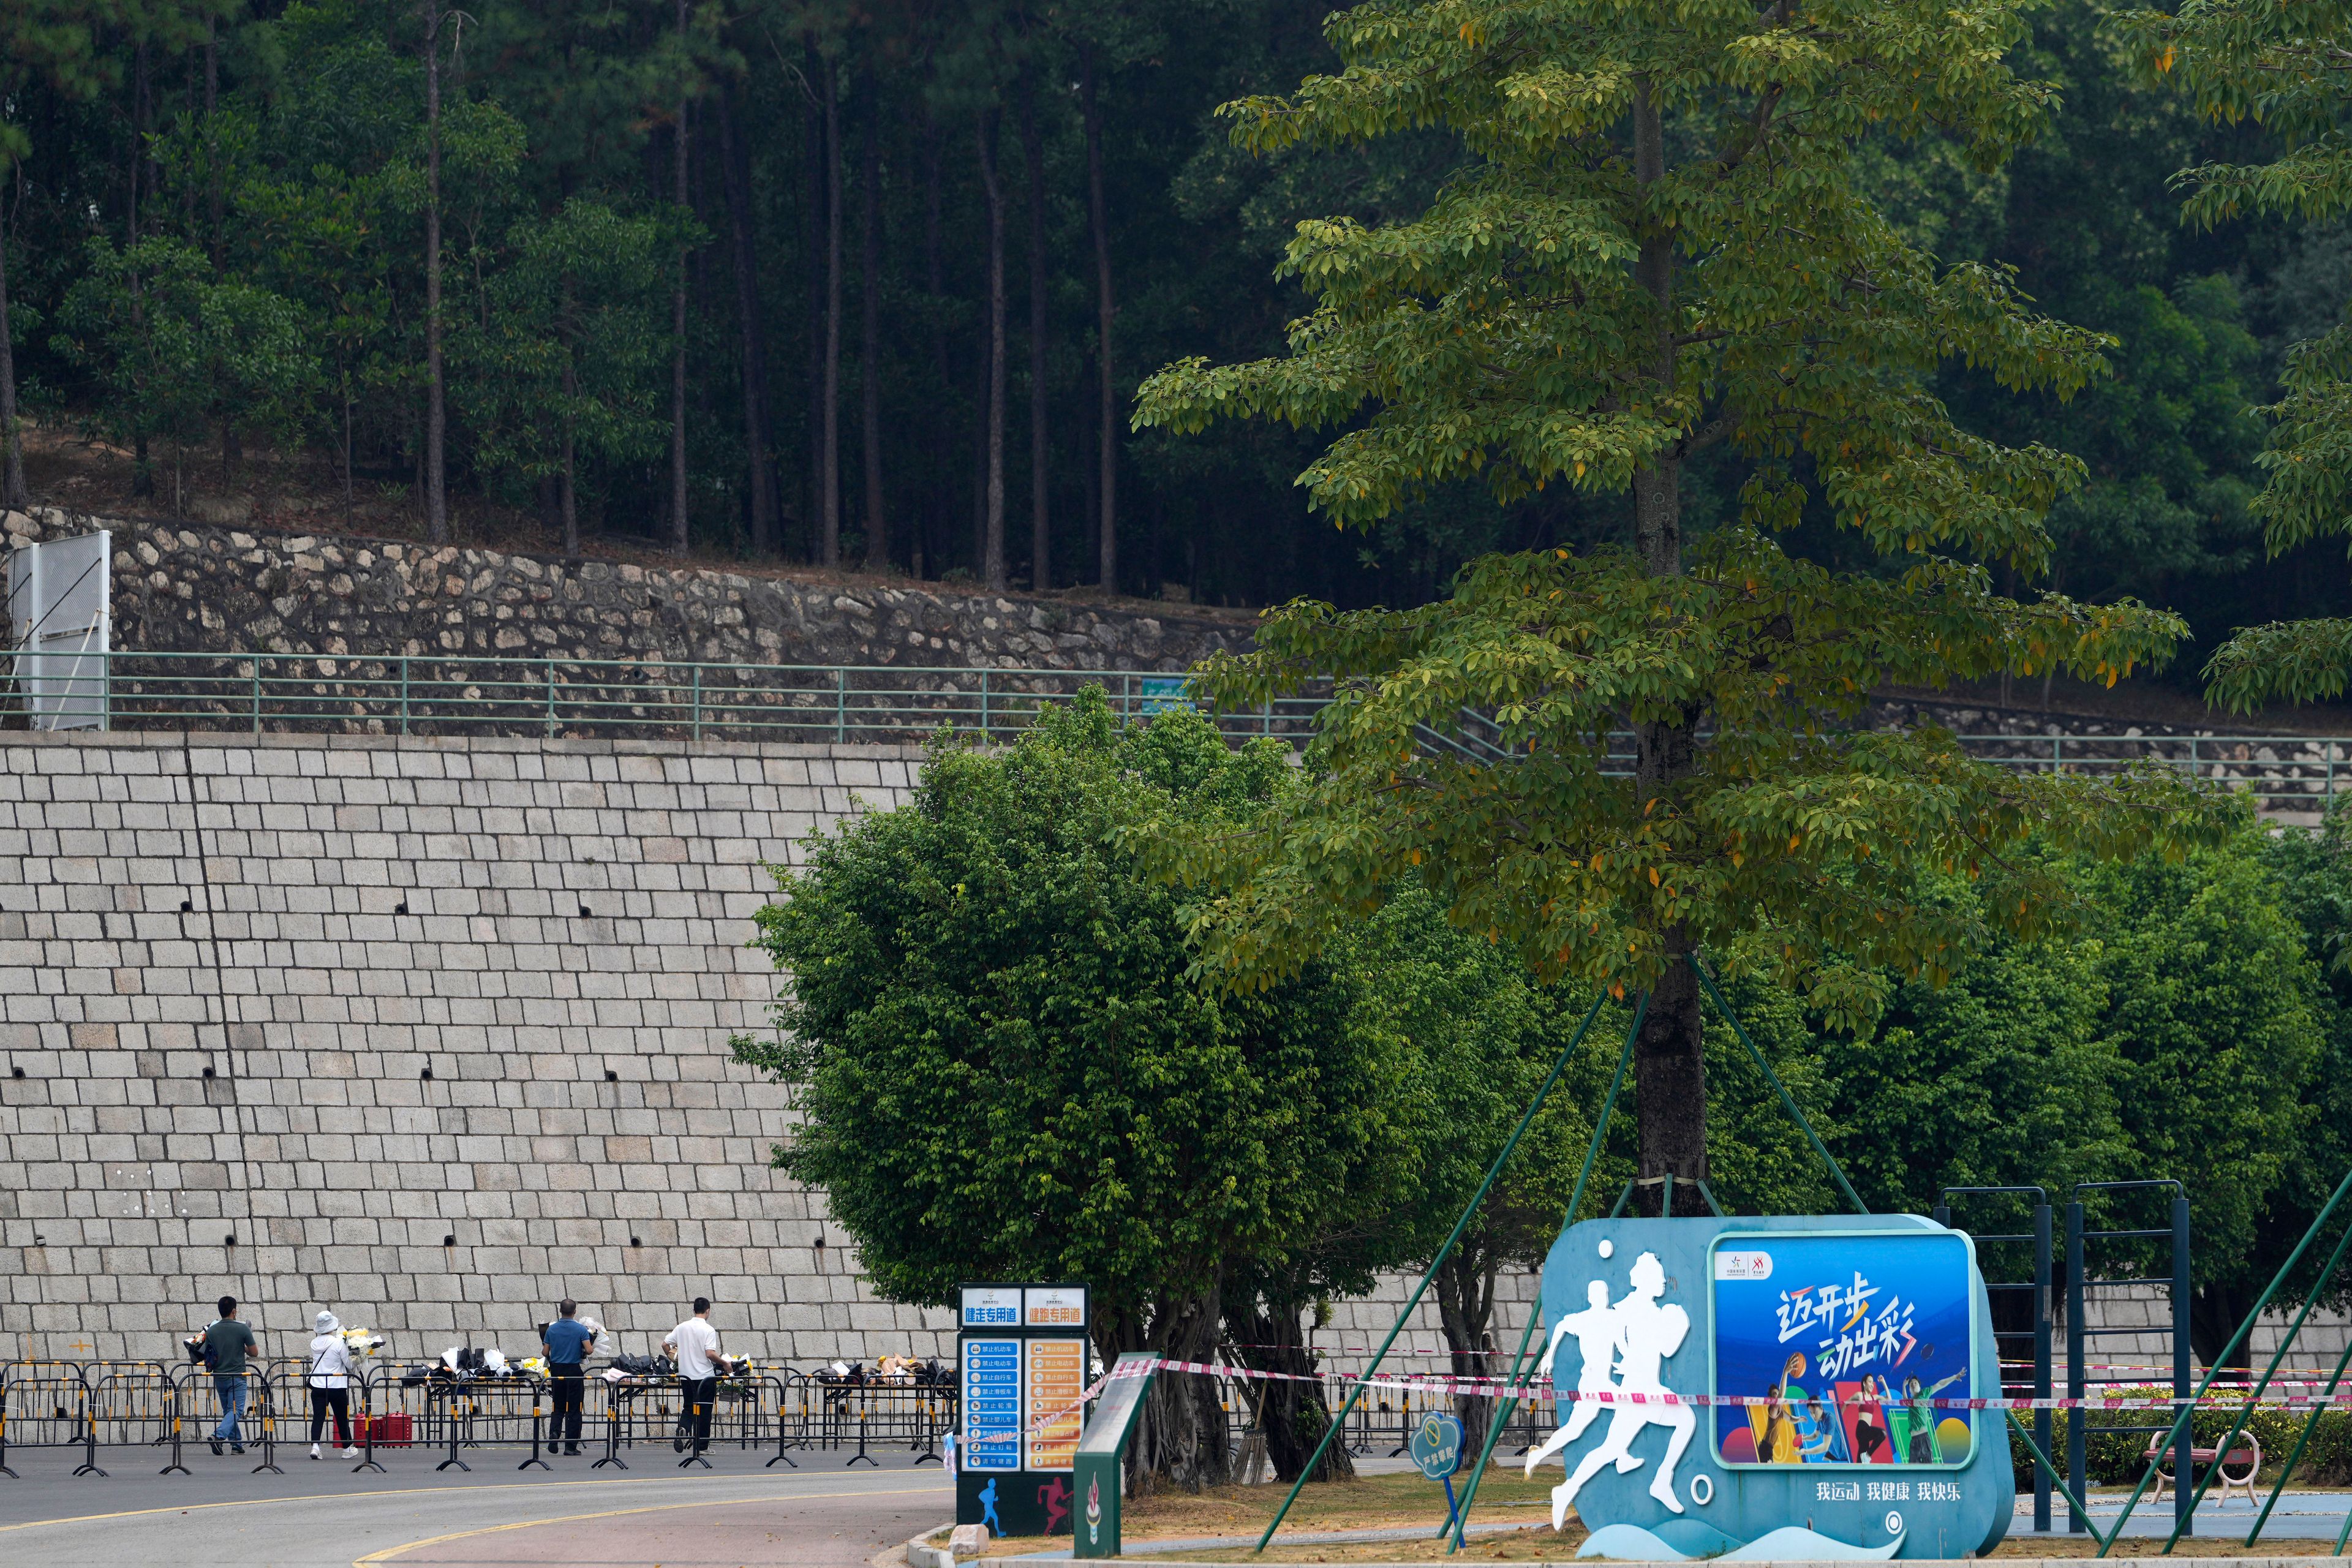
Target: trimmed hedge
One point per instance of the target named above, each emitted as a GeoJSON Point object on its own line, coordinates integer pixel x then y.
{"type": "Point", "coordinates": [2121, 1458]}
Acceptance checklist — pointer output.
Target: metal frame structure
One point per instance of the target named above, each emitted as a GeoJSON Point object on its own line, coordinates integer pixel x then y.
{"type": "Point", "coordinates": [2079, 1286]}
{"type": "Point", "coordinates": [2040, 1288]}
{"type": "Point", "coordinates": [455, 693]}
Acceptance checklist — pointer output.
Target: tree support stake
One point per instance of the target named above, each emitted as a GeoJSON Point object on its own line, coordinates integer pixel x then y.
{"type": "Point", "coordinates": [1510, 1145]}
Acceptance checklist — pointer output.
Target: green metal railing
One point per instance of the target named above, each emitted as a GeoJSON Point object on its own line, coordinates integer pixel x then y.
{"type": "Point", "coordinates": [428, 694]}
{"type": "Point", "coordinates": [454, 694]}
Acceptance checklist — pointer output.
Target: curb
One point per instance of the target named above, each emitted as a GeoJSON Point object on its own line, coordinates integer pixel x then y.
{"type": "Point", "coordinates": [919, 1553]}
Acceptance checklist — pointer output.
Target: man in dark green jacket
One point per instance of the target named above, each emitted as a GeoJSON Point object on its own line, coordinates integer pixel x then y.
{"type": "Point", "coordinates": [227, 1343]}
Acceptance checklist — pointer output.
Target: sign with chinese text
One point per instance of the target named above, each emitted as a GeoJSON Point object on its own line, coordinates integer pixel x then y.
{"type": "Point", "coordinates": [991, 1405]}
{"type": "Point", "coordinates": [1053, 1306]}
{"type": "Point", "coordinates": [991, 1306]}
{"type": "Point", "coordinates": [1057, 1379]}
{"type": "Point", "coordinates": [1852, 1340]}
{"type": "Point", "coordinates": [1778, 1387]}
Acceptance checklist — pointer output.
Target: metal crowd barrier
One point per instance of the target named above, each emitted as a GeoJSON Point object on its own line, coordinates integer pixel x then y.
{"type": "Point", "coordinates": [86, 1406]}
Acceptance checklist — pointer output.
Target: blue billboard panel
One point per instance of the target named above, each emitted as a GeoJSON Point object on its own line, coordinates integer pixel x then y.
{"type": "Point", "coordinates": [991, 1405]}
{"type": "Point", "coordinates": [1844, 1345]}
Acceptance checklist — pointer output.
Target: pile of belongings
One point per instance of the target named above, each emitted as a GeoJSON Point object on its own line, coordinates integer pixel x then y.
{"type": "Point", "coordinates": [463, 1364]}
{"type": "Point", "coordinates": [629, 1368]}
{"type": "Point", "coordinates": [907, 1369]}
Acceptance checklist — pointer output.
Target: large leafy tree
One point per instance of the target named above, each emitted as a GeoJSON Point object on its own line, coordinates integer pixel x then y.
{"type": "Point", "coordinates": [1660, 246]}
{"type": "Point", "coordinates": [1005, 1071]}
{"type": "Point", "coordinates": [2280, 64]}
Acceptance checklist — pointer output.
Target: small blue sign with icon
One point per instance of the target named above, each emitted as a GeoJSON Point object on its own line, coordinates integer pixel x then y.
{"type": "Point", "coordinates": [1436, 1446]}
{"type": "Point", "coordinates": [1437, 1450]}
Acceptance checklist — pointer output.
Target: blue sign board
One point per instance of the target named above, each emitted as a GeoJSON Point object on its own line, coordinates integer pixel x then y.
{"type": "Point", "coordinates": [1436, 1446]}
{"type": "Point", "coordinates": [991, 1405]}
{"type": "Point", "coordinates": [1852, 1339]}
{"type": "Point", "coordinates": [1820, 1369]}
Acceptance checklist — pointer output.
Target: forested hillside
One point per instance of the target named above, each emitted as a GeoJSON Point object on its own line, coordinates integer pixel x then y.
{"type": "Point", "coordinates": [873, 284]}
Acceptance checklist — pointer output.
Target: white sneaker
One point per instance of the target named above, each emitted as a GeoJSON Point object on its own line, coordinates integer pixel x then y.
{"type": "Point", "coordinates": [351, 1453]}
{"type": "Point", "coordinates": [314, 1450]}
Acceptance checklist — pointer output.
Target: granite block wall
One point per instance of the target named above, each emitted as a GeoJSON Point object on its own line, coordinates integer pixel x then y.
{"type": "Point", "coordinates": [436, 1031]}
{"type": "Point", "coordinates": [228, 962]}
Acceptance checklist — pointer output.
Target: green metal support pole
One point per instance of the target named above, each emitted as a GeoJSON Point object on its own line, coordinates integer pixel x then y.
{"type": "Point", "coordinates": [1526, 1335]}
{"type": "Point", "coordinates": [2288, 1469]}
{"type": "Point", "coordinates": [404, 694]}
{"type": "Point", "coordinates": [2042, 1459]}
{"type": "Point", "coordinates": [2214, 1369]}
{"type": "Point", "coordinates": [1510, 1145]}
{"type": "Point", "coordinates": [696, 721]}
{"type": "Point", "coordinates": [1772, 1077]}
{"type": "Point", "coordinates": [2285, 1344]}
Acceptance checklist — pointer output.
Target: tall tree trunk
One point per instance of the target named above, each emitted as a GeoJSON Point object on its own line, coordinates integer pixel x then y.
{"type": "Point", "coordinates": [832, 478]}
{"type": "Point", "coordinates": [935, 283]}
{"type": "Point", "coordinates": [214, 191]}
{"type": "Point", "coordinates": [878, 521]}
{"type": "Point", "coordinates": [1107, 430]}
{"type": "Point", "coordinates": [142, 479]}
{"type": "Point", "coordinates": [981, 405]}
{"type": "Point", "coordinates": [1466, 1311]}
{"type": "Point", "coordinates": [993, 541]}
{"type": "Point", "coordinates": [813, 187]}
{"type": "Point", "coordinates": [1670, 1067]}
{"type": "Point", "coordinates": [1182, 1438]}
{"type": "Point", "coordinates": [13, 495]}
{"type": "Point", "coordinates": [680, 516]}
{"type": "Point", "coordinates": [734, 155]}
{"type": "Point", "coordinates": [1292, 1413]}
{"type": "Point", "coordinates": [437, 495]}
{"type": "Point", "coordinates": [1041, 533]}
{"type": "Point", "coordinates": [567, 492]}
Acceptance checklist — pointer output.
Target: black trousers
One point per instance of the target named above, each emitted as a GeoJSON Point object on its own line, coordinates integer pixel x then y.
{"type": "Point", "coordinates": [564, 1421]}
{"type": "Point", "coordinates": [339, 1400]}
{"type": "Point", "coordinates": [698, 1392]}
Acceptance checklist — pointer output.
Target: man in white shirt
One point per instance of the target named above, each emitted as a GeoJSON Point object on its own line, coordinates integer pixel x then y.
{"type": "Point", "coordinates": [695, 1344]}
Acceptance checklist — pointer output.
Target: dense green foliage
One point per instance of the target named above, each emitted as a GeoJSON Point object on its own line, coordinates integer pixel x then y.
{"type": "Point", "coordinates": [2281, 67]}
{"type": "Point", "coordinates": [1671, 244]}
{"type": "Point", "coordinates": [287, 145]}
{"type": "Point", "coordinates": [1009, 1064]}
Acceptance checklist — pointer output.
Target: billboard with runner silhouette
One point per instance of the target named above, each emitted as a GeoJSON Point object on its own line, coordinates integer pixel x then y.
{"type": "Point", "coordinates": [1781, 1386]}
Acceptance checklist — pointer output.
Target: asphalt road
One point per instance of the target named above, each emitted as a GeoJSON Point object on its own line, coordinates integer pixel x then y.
{"type": "Point", "coordinates": [319, 1515]}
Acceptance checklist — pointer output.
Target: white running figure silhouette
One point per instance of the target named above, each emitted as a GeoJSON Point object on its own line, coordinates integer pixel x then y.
{"type": "Point", "coordinates": [1637, 1334]}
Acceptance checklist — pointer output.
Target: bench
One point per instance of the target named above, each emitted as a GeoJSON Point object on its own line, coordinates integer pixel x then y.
{"type": "Point", "coordinates": [2248, 1451]}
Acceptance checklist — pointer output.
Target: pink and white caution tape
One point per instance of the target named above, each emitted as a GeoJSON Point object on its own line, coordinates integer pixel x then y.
{"type": "Point", "coordinates": [1044, 1421]}
{"type": "Point", "coordinates": [1433, 1383]}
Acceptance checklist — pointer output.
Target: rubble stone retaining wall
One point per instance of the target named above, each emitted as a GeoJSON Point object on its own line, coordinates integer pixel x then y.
{"type": "Point", "coordinates": [198, 588]}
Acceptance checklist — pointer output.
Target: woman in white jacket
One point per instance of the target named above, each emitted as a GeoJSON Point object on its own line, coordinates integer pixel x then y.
{"type": "Point", "coordinates": [331, 1383]}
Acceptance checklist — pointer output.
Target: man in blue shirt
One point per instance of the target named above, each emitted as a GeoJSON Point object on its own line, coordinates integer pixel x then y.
{"type": "Point", "coordinates": [568, 1343]}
